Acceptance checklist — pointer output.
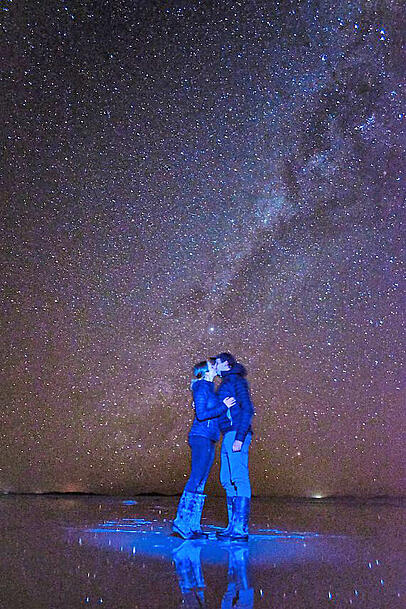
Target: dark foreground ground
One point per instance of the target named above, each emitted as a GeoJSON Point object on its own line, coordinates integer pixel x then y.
{"type": "Point", "coordinates": [114, 552]}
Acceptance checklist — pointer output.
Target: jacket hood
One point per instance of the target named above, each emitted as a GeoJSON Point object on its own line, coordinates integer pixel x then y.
{"type": "Point", "coordinates": [236, 369]}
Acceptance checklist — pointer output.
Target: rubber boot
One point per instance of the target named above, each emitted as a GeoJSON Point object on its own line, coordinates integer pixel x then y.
{"type": "Point", "coordinates": [241, 515]}
{"type": "Point", "coordinates": [225, 532]}
{"type": "Point", "coordinates": [196, 517]}
{"type": "Point", "coordinates": [182, 524]}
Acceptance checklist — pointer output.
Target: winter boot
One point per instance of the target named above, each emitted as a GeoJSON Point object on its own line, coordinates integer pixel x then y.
{"type": "Point", "coordinates": [182, 524]}
{"type": "Point", "coordinates": [241, 515]}
{"type": "Point", "coordinates": [230, 506]}
{"type": "Point", "coordinates": [196, 517]}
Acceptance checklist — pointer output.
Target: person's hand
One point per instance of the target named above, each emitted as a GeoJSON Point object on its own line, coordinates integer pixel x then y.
{"type": "Point", "coordinates": [229, 402]}
{"type": "Point", "coordinates": [237, 446]}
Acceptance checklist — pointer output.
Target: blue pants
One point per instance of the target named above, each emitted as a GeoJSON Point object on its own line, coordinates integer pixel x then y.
{"type": "Point", "coordinates": [234, 473]}
{"type": "Point", "coordinates": [203, 450]}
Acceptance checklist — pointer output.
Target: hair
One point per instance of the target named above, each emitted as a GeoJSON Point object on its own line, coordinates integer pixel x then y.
{"type": "Point", "coordinates": [227, 357]}
{"type": "Point", "coordinates": [200, 369]}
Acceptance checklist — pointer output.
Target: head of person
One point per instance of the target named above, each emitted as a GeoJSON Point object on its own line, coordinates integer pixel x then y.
{"type": "Point", "coordinates": [224, 362]}
{"type": "Point", "coordinates": [205, 370]}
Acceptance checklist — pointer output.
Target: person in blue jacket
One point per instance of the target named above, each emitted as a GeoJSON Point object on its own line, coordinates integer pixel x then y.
{"type": "Point", "coordinates": [235, 425]}
{"type": "Point", "coordinates": [203, 436]}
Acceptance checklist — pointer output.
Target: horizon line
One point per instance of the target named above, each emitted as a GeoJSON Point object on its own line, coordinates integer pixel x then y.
{"type": "Point", "coordinates": [158, 494]}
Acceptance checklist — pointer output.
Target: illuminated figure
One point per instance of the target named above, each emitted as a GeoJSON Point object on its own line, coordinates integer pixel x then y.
{"type": "Point", "coordinates": [239, 593]}
{"type": "Point", "coordinates": [235, 425]}
{"type": "Point", "coordinates": [203, 436]}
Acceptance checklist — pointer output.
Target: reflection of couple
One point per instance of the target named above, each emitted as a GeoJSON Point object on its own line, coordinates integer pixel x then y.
{"type": "Point", "coordinates": [239, 593]}
{"type": "Point", "coordinates": [228, 410]}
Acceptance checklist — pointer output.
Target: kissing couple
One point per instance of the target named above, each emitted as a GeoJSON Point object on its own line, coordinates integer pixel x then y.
{"type": "Point", "coordinates": [228, 410]}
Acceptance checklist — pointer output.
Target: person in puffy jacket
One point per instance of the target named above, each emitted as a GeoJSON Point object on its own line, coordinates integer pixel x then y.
{"type": "Point", "coordinates": [235, 425]}
{"type": "Point", "coordinates": [202, 438]}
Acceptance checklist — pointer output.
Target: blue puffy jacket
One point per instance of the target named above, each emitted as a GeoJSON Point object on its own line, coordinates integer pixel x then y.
{"type": "Point", "coordinates": [208, 408]}
{"type": "Point", "coordinates": [239, 417]}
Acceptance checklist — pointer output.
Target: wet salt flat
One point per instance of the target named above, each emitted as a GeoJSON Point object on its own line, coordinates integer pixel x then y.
{"type": "Point", "coordinates": [73, 551]}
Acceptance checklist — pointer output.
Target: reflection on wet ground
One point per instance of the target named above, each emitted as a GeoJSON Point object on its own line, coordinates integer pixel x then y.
{"type": "Point", "coordinates": [72, 551]}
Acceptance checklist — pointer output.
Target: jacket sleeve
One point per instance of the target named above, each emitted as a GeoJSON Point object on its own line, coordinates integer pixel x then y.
{"type": "Point", "coordinates": [207, 404]}
{"type": "Point", "coordinates": [247, 408]}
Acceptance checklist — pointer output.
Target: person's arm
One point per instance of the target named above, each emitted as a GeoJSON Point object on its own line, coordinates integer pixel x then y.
{"type": "Point", "coordinates": [247, 409]}
{"type": "Point", "coordinates": [207, 404]}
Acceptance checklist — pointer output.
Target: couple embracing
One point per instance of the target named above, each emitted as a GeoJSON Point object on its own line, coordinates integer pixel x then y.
{"type": "Point", "coordinates": [228, 410]}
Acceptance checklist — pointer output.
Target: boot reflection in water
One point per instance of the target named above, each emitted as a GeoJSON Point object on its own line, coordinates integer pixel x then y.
{"type": "Point", "coordinates": [190, 575]}
{"type": "Point", "coordinates": [239, 594]}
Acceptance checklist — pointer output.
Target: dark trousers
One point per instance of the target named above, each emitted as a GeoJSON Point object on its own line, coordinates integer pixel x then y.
{"type": "Point", "coordinates": [203, 450]}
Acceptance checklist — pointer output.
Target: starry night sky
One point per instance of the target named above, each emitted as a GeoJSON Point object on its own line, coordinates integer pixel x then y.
{"type": "Point", "coordinates": [186, 177]}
